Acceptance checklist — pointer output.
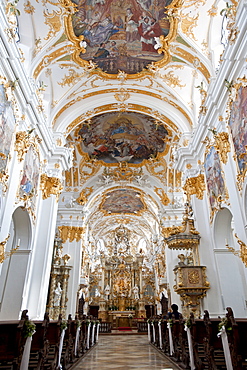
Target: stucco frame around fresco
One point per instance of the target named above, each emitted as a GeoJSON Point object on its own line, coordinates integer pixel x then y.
{"type": "Point", "coordinates": [120, 34]}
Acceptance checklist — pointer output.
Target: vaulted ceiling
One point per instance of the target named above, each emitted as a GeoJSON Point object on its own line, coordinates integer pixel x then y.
{"type": "Point", "coordinates": [126, 108]}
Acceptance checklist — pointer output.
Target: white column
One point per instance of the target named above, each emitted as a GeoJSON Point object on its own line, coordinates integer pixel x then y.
{"type": "Point", "coordinates": [42, 258]}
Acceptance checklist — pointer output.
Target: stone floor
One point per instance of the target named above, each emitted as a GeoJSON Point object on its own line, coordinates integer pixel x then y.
{"type": "Point", "coordinates": [122, 352]}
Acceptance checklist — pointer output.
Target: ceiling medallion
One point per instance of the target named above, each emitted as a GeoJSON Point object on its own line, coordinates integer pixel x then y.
{"type": "Point", "coordinates": [122, 35]}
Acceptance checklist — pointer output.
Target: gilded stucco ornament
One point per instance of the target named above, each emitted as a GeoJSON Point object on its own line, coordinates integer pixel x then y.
{"type": "Point", "coordinates": [50, 186]}
{"type": "Point", "coordinates": [222, 145]}
{"type": "Point", "coordinates": [84, 194]}
{"type": "Point", "coordinates": [71, 233]}
{"type": "Point", "coordinates": [123, 172]}
{"type": "Point", "coordinates": [203, 93]}
{"type": "Point", "coordinates": [53, 21]}
{"type": "Point", "coordinates": [195, 186]}
{"type": "Point", "coordinates": [162, 195]}
{"type": "Point", "coordinates": [3, 254]}
{"type": "Point", "coordinates": [23, 141]}
{"type": "Point", "coordinates": [230, 12]}
{"type": "Point", "coordinates": [242, 253]}
{"type": "Point", "coordinates": [188, 23]}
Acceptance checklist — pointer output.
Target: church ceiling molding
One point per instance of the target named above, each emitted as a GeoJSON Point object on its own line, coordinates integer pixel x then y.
{"type": "Point", "coordinates": [121, 104]}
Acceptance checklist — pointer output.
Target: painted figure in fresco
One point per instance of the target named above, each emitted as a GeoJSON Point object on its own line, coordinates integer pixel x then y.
{"type": "Point", "coordinates": [113, 50]}
{"type": "Point", "coordinates": [238, 125]}
{"type": "Point", "coordinates": [148, 30]}
{"type": "Point", "coordinates": [131, 26]}
{"type": "Point", "coordinates": [122, 139]}
{"type": "Point", "coordinates": [215, 181]}
{"type": "Point", "coordinates": [101, 52]}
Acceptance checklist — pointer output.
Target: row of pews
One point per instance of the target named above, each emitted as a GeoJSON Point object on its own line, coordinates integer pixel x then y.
{"type": "Point", "coordinates": [46, 344]}
{"type": "Point", "coordinates": [197, 343]}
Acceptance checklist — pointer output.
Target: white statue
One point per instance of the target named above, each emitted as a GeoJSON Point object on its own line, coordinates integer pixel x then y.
{"type": "Point", "coordinates": [57, 295]}
{"type": "Point", "coordinates": [97, 293]}
{"type": "Point", "coordinates": [107, 291]}
{"type": "Point", "coordinates": [136, 292]}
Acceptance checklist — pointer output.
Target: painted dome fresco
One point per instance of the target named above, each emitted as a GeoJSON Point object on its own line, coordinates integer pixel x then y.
{"type": "Point", "coordinates": [117, 137]}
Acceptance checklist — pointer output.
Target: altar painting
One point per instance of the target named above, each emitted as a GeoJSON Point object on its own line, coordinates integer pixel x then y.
{"type": "Point", "coordinates": [120, 35]}
{"type": "Point", "coordinates": [122, 201]}
{"type": "Point", "coordinates": [238, 126]}
{"type": "Point", "coordinates": [214, 180]}
{"type": "Point", "coordinates": [30, 177]}
{"type": "Point", "coordinates": [117, 137]}
{"type": "Point", "coordinates": [7, 127]}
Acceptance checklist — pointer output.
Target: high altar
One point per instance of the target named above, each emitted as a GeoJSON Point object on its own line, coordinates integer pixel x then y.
{"type": "Point", "coordinates": [123, 287]}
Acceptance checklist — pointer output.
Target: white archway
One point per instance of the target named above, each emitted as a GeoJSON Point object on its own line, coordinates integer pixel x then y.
{"type": "Point", "coordinates": [15, 266]}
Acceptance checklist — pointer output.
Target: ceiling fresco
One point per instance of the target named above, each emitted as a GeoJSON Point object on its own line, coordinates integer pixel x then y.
{"type": "Point", "coordinates": [123, 201]}
{"type": "Point", "coordinates": [122, 137]}
{"type": "Point", "coordinates": [121, 34]}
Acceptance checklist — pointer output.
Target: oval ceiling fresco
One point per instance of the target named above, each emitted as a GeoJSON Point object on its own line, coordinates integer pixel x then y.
{"type": "Point", "coordinates": [122, 201]}
{"type": "Point", "coordinates": [120, 34]}
{"type": "Point", "coordinates": [121, 137]}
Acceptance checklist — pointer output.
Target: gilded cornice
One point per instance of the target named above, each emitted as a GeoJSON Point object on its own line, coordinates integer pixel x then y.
{"type": "Point", "coordinates": [50, 185]}
{"type": "Point", "coordinates": [116, 91]}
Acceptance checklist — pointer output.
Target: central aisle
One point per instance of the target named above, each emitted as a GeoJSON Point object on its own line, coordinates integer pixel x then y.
{"type": "Point", "coordinates": [124, 352]}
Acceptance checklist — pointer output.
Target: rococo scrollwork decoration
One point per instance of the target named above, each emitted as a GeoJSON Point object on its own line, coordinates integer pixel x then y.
{"type": "Point", "coordinates": [131, 37]}
{"type": "Point", "coordinates": [222, 145]}
{"type": "Point", "coordinates": [50, 185]}
{"type": "Point", "coordinates": [195, 186]}
{"type": "Point", "coordinates": [162, 195]}
{"type": "Point", "coordinates": [71, 233]}
{"type": "Point", "coordinates": [242, 253]}
{"type": "Point", "coordinates": [3, 254]}
{"type": "Point", "coordinates": [84, 194]}
{"type": "Point", "coordinates": [22, 144]}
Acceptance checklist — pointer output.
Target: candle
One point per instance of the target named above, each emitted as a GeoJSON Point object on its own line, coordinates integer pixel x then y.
{"type": "Point", "coordinates": [18, 242]}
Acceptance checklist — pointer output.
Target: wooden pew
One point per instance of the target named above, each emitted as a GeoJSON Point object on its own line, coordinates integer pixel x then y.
{"type": "Point", "coordinates": [40, 344]}
{"type": "Point", "coordinates": [12, 341]}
